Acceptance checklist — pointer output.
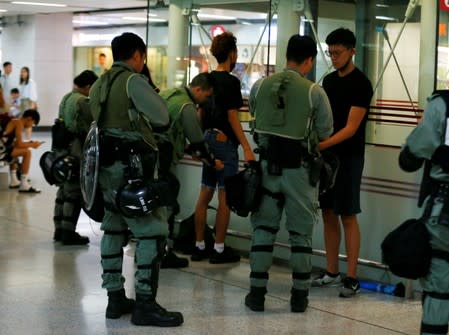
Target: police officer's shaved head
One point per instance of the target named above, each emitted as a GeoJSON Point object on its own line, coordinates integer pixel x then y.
{"type": "Point", "coordinates": [203, 80]}
{"type": "Point", "coordinates": [125, 45]}
{"type": "Point", "coordinates": [300, 48]}
{"type": "Point", "coordinates": [85, 78]}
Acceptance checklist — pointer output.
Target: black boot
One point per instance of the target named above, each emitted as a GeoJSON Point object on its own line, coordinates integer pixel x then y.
{"type": "Point", "coordinates": [298, 300]}
{"type": "Point", "coordinates": [69, 237]}
{"type": "Point", "coordinates": [148, 312]}
{"type": "Point", "coordinates": [57, 236]}
{"type": "Point", "coordinates": [255, 299]}
{"type": "Point", "coordinates": [118, 304]}
{"type": "Point", "coordinates": [171, 261]}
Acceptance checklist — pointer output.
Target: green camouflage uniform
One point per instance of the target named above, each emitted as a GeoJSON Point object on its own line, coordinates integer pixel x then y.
{"type": "Point", "coordinates": [147, 108]}
{"type": "Point", "coordinates": [422, 142]}
{"type": "Point", "coordinates": [301, 96]}
{"type": "Point", "coordinates": [74, 111]}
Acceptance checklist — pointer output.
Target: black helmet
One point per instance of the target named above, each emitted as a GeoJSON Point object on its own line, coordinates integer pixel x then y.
{"type": "Point", "coordinates": [137, 199]}
{"type": "Point", "coordinates": [65, 168]}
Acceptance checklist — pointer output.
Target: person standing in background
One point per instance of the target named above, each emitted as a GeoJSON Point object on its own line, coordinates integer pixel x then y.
{"type": "Point", "coordinates": [100, 68]}
{"type": "Point", "coordinates": [28, 93]}
{"type": "Point", "coordinates": [350, 93]}
{"type": "Point", "coordinates": [28, 88]}
{"type": "Point", "coordinates": [75, 113]}
{"type": "Point", "coordinates": [223, 135]}
{"type": "Point", "coordinates": [6, 82]}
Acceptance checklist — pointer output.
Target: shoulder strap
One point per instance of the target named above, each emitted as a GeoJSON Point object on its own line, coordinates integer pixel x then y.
{"type": "Point", "coordinates": [445, 95]}
{"type": "Point", "coordinates": [104, 99]}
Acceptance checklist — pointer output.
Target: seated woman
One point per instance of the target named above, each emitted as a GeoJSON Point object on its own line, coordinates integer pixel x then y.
{"type": "Point", "coordinates": [12, 137]}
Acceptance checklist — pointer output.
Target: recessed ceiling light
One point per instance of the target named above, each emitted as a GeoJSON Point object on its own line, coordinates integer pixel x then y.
{"type": "Point", "coordinates": [3, 10]}
{"type": "Point", "coordinates": [386, 18]}
{"type": "Point", "coordinates": [38, 4]}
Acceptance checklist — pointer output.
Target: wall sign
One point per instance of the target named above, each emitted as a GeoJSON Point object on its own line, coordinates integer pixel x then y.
{"type": "Point", "coordinates": [444, 5]}
{"type": "Point", "coordinates": [216, 30]}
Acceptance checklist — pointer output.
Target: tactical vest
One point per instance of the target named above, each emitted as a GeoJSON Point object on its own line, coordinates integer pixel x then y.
{"type": "Point", "coordinates": [283, 105]}
{"type": "Point", "coordinates": [177, 99]}
{"type": "Point", "coordinates": [119, 109]}
{"type": "Point", "coordinates": [67, 111]}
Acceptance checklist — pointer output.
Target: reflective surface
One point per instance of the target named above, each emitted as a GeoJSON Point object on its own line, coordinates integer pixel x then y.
{"type": "Point", "coordinates": [46, 288]}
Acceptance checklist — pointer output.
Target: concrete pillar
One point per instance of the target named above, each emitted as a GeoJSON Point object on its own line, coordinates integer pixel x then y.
{"type": "Point", "coordinates": [44, 44]}
{"type": "Point", "coordinates": [178, 27]}
{"type": "Point", "coordinates": [427, 50]}
{"type": "Point", "coordinates": [288, 25]}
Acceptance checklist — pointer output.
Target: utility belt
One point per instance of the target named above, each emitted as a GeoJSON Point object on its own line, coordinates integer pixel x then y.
{"type": "Point", "coordinates": [113, 149]}
{"type": "Point", "coordinates": [283, 153]}
{"type": "Point", "coordinates": [441, 191]}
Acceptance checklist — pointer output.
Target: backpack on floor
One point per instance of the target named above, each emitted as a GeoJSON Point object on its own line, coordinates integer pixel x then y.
{"type": "Point", "coordinates": [185, 240]}
{"type": "Point", "coordinates": [407, 250]}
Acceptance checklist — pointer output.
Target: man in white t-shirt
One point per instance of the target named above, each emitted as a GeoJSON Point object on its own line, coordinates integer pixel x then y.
{"type": "Point", "coordinates": [6, 81]}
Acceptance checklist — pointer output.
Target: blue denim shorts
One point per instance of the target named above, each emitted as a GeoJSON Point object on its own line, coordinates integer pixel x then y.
{"type": "Point", "coordinates": [224, 151]}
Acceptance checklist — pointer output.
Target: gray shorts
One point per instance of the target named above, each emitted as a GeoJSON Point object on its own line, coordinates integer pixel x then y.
{"type": "Point", "coordinates": [344, 197]}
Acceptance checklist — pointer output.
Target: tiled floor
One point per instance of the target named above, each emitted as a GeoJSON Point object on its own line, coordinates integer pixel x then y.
{"type": "Point", "coordinates": [46, 288]}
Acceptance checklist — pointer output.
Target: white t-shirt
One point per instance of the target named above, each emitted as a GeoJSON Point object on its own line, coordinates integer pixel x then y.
{"type": "Point", "coordinates": [29, 90]}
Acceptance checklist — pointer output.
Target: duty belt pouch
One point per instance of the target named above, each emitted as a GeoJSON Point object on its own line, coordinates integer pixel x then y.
{"type": "Point", "coordinates": [282, 153]}
{"type": "Point", "coordinates": [444, 215]}
{"type": "Point", "coordinates": [60, 136]}
{"type": "Point", "coordinates": [316, 163]}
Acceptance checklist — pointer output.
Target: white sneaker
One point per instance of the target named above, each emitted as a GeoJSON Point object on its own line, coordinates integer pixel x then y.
{"type": "Point", "coordinates": [326, 280]}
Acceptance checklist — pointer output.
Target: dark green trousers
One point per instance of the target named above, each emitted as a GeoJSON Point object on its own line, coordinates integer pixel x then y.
{"type": "Point", "coordinates": [301, 213]}
{"type": "Point", "coordinates": [67, 205]}
{"type": "Point", "coordinates": [150, 232]}
{"type": "Point", "coordinates": [435, 317]}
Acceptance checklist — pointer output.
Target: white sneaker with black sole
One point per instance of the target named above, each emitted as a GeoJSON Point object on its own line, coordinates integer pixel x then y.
{"type": "Point", "coordinates": [327, 279]}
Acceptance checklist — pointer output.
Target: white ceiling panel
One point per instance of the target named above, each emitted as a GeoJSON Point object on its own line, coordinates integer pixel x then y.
{"type": "Point", "coordinates": [12, 8]}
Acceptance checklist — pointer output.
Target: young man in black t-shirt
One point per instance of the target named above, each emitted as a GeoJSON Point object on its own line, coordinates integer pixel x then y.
{"type": "Point", "coordinates": [350, 93]}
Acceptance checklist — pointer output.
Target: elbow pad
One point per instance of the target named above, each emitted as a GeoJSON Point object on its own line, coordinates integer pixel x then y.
{"type": "Point", "coordinates": [408, 161]}
{"type": "Point", "coordinates": [200, 150]}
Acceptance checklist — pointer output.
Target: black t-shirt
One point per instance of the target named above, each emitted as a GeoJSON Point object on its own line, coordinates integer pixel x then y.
{"type": "Point", "coordinates": [227, 95]}
{"type": "Point", "coordinates": [354, 89]}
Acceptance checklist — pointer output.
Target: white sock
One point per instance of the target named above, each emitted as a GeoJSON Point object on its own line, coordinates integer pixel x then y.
{"type": "Point", "coordinates": [24, 184]}
{"type": "Point", "coordinates": [13, 175]}
{"type": "Point", "coordinates": [219, 247]}
{"type": "Point", "coordinates": [200, 245]}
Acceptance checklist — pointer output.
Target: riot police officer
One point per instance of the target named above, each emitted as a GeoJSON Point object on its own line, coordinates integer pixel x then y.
{"type": "Point", "coordinates": [428, 141]}
{"type": "Point", "coordinates": [76, 117]}
{"type": "Point", "coordinates": [185, 130]}
{"type": "Point", "coordinates": [284, 104]}
{"type": "Point", "coordinates": [126, 109]}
